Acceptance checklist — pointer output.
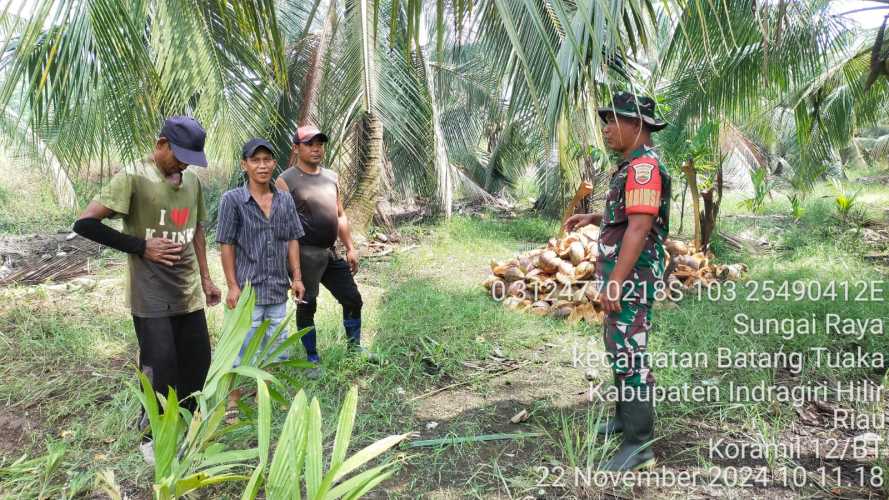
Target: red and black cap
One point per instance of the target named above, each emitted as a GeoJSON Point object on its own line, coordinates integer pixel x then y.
{"type": "Point", "coordinates": [306, 133]}
{"type": "Point", "coordinates": [186, 137]}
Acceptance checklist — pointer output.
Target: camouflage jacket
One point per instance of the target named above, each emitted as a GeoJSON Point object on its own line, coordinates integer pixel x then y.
{"type": "Point", "coordinates": [641, 185]}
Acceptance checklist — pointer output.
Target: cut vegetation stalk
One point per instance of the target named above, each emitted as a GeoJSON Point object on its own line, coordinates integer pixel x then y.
{"type": "Point", "coordinates": [584, 190]}
{"type": "Point", "coordinates": [689, 169]}
{"type": "Point", "coordinates": [459, 384]}
{"type": "Point", "coordinates": [472, 439]}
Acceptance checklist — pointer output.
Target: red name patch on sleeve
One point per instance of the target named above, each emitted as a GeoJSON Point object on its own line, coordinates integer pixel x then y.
{"type": "Point", "coordinates": [643, 189]}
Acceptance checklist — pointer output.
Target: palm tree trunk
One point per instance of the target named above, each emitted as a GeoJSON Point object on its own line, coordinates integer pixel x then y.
{"type": "Point", "coordinates": [691, 176]}
{"type": "Point", "coordinates": [369, 151]}
{"type": "Point", "coordinates": [316, 71]}
{"type": "Point", "coordinates": [440, 158]}
{"type": "Point", "coordinates": [362, 202]}
{"type": "Point", "coordinates": [62, 187]}
{"type": "Point", "coordinates": [61, 183]}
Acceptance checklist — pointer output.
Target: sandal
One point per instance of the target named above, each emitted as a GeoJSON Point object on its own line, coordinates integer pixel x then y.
{"type": "Point", "coordinates": [231, 410]}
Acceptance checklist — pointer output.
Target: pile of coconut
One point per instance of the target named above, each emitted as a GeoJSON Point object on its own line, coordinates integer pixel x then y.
{"type": "Point", "coordinates": [558, 280]}
{"type": "Point", "coordinates": [693, 269]}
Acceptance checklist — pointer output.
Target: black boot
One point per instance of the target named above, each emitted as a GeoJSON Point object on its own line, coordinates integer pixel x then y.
{"type": "Point", "coordinates": [637, 417]}
{"type": "Point", "coordinates": [613, 425]}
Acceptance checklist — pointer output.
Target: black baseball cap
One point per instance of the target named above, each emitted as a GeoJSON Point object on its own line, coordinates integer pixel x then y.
{"type": "Point", "coordinates": [186, 137]}
{"type": "Point", "coordinates": [253, 144]}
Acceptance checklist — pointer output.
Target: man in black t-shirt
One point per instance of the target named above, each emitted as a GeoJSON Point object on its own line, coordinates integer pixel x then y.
{"type": "Point", "coordinates": [315, 192]}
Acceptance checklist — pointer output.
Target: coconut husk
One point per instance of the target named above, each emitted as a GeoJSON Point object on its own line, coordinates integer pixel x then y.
{"type": "Point", "coordinates": [513, 273]}
{"type": "Point", "coordinates": [696, 261]}
{"type": "Point", "coordinates": [584, 270]}
{"type": "Point", "coordinates": [516, 289]}
{"type": "Point", "coordinates": [576, 252]}
{"type": "Point", "coordinates": [562, 312]}
{"type": "Point", "coordinates": [549, 262]}
{"type": "Point", "coordinates": [676, 247]}
{"type": "Point", "coordinates": [565, 279]}
{"type": "Point", "coordinates": [489, 282]}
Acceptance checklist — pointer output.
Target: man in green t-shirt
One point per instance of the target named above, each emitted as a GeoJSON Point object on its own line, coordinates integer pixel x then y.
{"type": "Point", "coordinates": [162, 208]}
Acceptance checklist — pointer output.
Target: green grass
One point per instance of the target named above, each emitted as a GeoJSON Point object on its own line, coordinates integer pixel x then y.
{"type": "Point", "coordinates": [65, 371]}
{"type": "Point", "coordinates": [66, 361]}
{"type": "Point", "coordinates": [72, 358]}
{"type": "Point", "coordinates": [27, 203]}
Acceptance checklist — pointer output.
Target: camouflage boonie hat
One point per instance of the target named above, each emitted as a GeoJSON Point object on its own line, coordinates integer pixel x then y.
{"type": "Point", "coordinates": [633, 106]}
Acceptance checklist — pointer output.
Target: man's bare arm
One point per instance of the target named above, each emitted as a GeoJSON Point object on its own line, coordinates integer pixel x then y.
{"type": "Point", "coordinates": [96, 210]}
{"type": "Point", "coordinates": [342, 228]}
{"type": "Point", "coordinates": [296, 284]}
{"type": "Point", "coordinates": [577, 221]}
{"type": "Point", "coordinates": [345, 235]}
{"type": "Point", "coordinates": [596, 219]}
{"type": "Point", "coordinates": [293, 259]}
{"type": "Point", "coordinates": [214, 296]}
{"type": "Point", "coordinates": [227, 255]}
{"type": "Point", "coordinates": [200, 250]}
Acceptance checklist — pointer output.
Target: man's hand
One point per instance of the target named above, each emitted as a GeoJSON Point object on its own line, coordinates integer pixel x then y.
{"type": "Point", "coordinates": [162, 251]}
{"type": "Point", "coordinates": [610, 300]}
{"type": "Point", "coordinates": [298, 289]}
{"type": "Point", "coordinates": [352, 259]}
{"type": "Point", "coordinates": [214, 296]}
{"type": "Point", "coordinates": [577, 221]}
{"type": "Point", "coordinates": [231, 299]}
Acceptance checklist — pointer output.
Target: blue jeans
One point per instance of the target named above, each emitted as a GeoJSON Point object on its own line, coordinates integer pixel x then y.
{"type": "Point", "coordinates": [275, 313]}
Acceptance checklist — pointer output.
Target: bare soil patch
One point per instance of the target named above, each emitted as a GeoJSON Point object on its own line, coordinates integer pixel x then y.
{"type": "Point", "coordinates": [14, 433]}
{"type": "Point", "coordinates": [550, 385]}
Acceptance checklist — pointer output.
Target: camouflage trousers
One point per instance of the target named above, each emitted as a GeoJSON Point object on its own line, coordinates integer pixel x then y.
{"type": "Point", "coordinates": [626, 340]}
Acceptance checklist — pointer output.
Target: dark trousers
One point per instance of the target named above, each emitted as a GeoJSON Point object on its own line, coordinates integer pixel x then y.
{"type": "Point", "coordinates": [323, 266]}
{"type": "Point", "coordinates": [174, 352]}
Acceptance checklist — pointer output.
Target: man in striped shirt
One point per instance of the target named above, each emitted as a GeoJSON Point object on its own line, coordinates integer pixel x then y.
{"type": "Point", "coordinates": [258, 232]}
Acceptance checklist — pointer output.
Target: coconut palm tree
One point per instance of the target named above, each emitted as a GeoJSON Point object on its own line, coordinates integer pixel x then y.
{"type": "Point", "coordinates": [788, 72]}
{"type": "Point", "coordinates": [433, 100]}
{"type": "Point", "coordinates": [94, 79]}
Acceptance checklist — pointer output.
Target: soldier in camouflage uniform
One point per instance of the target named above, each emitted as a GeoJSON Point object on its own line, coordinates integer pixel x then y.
{"type": "Point", "coordinates": [630, 266]}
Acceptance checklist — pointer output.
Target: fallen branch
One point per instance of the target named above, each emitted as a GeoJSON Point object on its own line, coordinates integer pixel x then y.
{"type": "Point", "coordinates": [57, 268]}
{"type": "Point", "coordinates": [381, 254]}
{"type": "Point", "coordinates": [877, 256]}
{"type": "Point", "coordinates": [742, 244]}
{"type": "Point", "coordinates": [472, 439]}
{"type": "Point", "coordinates": [381, 218]}
{"type": "Point", "coordinates": [64, 262]}
{"type": "Point", "coordinates": [460, 384]}
{"type": "Point", "coordinates": [396, 218]}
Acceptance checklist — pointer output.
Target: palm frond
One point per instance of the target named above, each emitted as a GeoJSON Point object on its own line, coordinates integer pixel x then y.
{"type": "Point", "coordinates": [98, 77]}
